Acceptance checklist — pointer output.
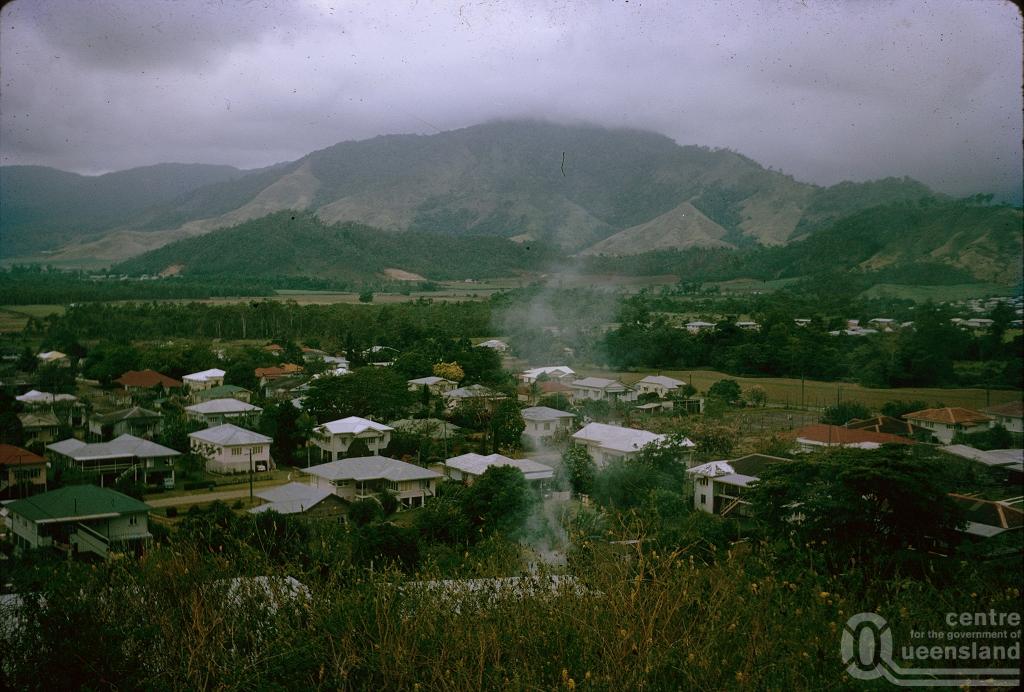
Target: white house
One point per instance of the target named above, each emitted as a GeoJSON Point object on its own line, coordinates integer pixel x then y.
{"type": "Point", "coordinates": [718, 486]}
{"type": "Point", "coordinates": [698, 326]}
{"type": "Point", "coordinates": [335, 438]}
{"type": "Point", "coordinates": [217, 411]}
{"type": "Point", "coordinates": [607, 443]}
{"type": "Point", "coordinates": [601, 389]}
{"type": "Point", "coordinates": [944, 423]}
{"type": "Point", "coordinates": [145, 460]}
{"type": "Point", "coordinates": [543, 421]}
{"type": "Point", "coordinates": [79, 519]}
{"type": "Point", "coordinates": [496, 344]}
{"type": "Point", "coordinates": [361, 478]}
{"type": "Point", "coordinates": [473, 391]}
{"type": "Point", "coordinates": [34, 397]}
{"type": "Point", "coordinates": [469, 467]}
{"type": "Point", "coordinates": [658, 384]}
{"type": "Point", "coordinates": [437, 385]}
{"type": "Point", "coordinates": [1009, 415]}
{"type": "Point", "coordinates": [558, 373]}
{"type": "Point", "coordinates": [748, 325]}
{"type": "Point", "coordinates": [205, 379]}
{"type": "Point", "coordinates": [53, 358]}
{"type": "Point", "coordinates": [228, 448]}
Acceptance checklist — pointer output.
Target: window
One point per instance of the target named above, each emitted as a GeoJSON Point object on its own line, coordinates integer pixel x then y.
{"type": "Point", "coordinates": [704, 481]}
{"type": "Point", "coordinates": [547, 426]}
{"type": "Point", "coordinates": [703, 499]}
{"type": "Point", "coordinates": [133, 520]}
{"type": "Point", "coordinates": [236, 451]}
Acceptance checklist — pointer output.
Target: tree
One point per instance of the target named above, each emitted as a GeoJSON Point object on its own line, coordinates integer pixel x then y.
{"type": "Point", "coordinates": [449, 371]}
{"type": "Point", "coordinates": [498, 501]}
{"type": "Point", "coordinates": [726, 390]}
{"type": "Point", "coordinates": [366, 296]}
{"type": "Point", "coordinates": [365, 511]}
{"type": "Point", "coordinates": [11, 431]}
{"type": "Point", "coordinates": [507, 425]}
{"type": "Point", "coordinates": [55, 379]}
{"type": "Point", "coordinates": [368, 392]}
{"type": "Point", "coordinates": [580, 468]}
{"type": "Point", "coordinates": [899, 408]}
{"type": "Point", "coordinates": [713, 441]}
{"type": "Point", "coordinates": [864, 503]}
{"type": "Point", "coordinates": [282, 421]}
{"type": "Point", "coordinates": [845, 411]}
{"type": "Point", "coordinates": [756, 395]}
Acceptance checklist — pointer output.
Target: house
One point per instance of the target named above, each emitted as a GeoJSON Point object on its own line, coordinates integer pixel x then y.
{"type": "Point", "coordinates": [748, 325]}
{"type": "Point", "coordinates": [946, 422]}
{"type": "Point", "coordinates": [54, 358]}
{"type": "Point", "coordinates": [362, 478]}
{"type": "Point", "coordinates": [139, 380]}
{"type": "Point", "coordinates": [438, 386]}
{"type": "Point", "coordinates": [228, 448]}
{"type": "Point", "coordinates": [476, 392]}
{"type": "Point", "coordinates": [658, 384]}
{"type": "Point", "coordinates": [1009, 460]}
{"type": "Point", "coordinates": [22, 473]}
{"type": "Point", "coordinates": [718, 486]}
{"type": "Point", "coordinates": [558, 373]}
{"type": "Point", "coordinates": [801, 321]}
{"type": "Point", "coordinates": [987, 518]}
{"type": "Point", "coordinates": [205, 379]}
{"type": "Point", "coordinates": [467, 468]}
{"type": "Point", "coordinates": [818, 435]}
{"type": "Point", "coordinates": [276, 372]}
{"type": "Point", "coordinates": [300, 498]}
{"type": "Point", "coordinates": [543, 421]}
{"type": "Point", "coordinates": [608, 443]}
{"type": "Point", "coordinates": [146, 461]}
{"type": "Point", "coordinates": [601, 389]}
{"type": "Point", "coordinates": [130, 421]}
{"type": "Point", "coordinates": [81, 519]}
{"type": "Point", "coordinates": [380, 355]}
{"type": "Point", "coordinates": [336, 437]}
{"type": "Point", "coordinates": [496, 344]}
{"type": "Point", "coordinates": [698, 326]}
{"type": "Point", "coordinates": [434, 428]}
{"type": "Point", "coordinates": [889, 425]}
{"type": "Point", "coordinates": [36, 399]}
{"type": "Point", "coordinates": [217, 411]}
{"type": "Point", "coordinates": [224, 391]}
{"type": "Point", "coordinates": [273, 349]}
{"type": "Point", "coordinates": [39, 426]}
{"type": "Point", "coordinates": [1009, 415]}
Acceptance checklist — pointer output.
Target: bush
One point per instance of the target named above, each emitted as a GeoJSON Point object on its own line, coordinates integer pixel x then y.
{"type": "Point", "coordinates": [171, 512]}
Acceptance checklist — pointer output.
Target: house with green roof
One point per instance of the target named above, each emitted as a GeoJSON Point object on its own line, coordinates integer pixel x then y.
{"type": "Point", "coordinates": [224, 391]}
{"type": "Point", "coordinates": [80, 519]}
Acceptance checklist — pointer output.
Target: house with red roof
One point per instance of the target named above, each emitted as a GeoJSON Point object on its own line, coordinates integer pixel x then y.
{"type": "Point", "coordinates": [818, 435]}
{"type": "Point", "coordinates": [946, 422]}
{"type": "Point", "coordinates": [21, 472]}
{"type": "Point", "coordinates": [134, 380]}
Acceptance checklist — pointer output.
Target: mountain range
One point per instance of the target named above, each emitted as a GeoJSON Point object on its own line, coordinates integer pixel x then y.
{"type": "Point", "coordinates": [581, 189]}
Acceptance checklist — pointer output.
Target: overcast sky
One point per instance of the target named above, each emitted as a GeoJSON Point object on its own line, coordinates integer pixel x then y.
{"type": "Point", "coordinates": [826, 91]}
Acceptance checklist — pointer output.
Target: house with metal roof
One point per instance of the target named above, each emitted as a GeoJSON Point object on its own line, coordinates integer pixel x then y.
{"type": "Point", "coordinates": [466, 468]}
{"type": "Point", "coordinates": [608, 443]}
{"type": "Point", "coordinates": [1009, 415]}
{"type": "Point", "coordinates": [437, 386]}
{"type": "Point", "coordinates": [22, 473]}
{"type": "Point", "coordinates": [335, 437]}
{"type": "Point", "coordinates": [34, 398]}
{"type": "Point", "coordinates": [658, 384]}
{"type": "Point", "coordinates": [544, 421]}
{"type": "Point", "coordinates": [39, 426]}
{"type": "Point", "coordinates": [148, 462]}
{"type": "Point", "coordinates": [718, 486]}
{"type": "Point", "coordinates": [130, 421]}
{"type": "Point", "coordinates": [218, 411]}
{"type": "Point", "coordinates": [224, 391]}
{"type": "Point", "coordinates": [558, 373]}
{"type": "Point", "coordinates": [80, 519]}
{"type": "Point", "coordinates": [300, 498]}
{"type": "Point", "coordinates": [495, 344]}
{"type": "Point", "coordinates": [362, 478]}
{"type": "Point", "coordinates": [228, 448]}
{"type": "Point", "coordinates": [472, 392]}
{"type": "Point", "coordinates": [946, 422]}
{"type": "Point", "coordinates": [204, 379]}
{"type": "Point", "coordinates": [601, 389]}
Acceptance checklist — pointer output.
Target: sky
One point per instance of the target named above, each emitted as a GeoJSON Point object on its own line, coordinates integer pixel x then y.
{"type": "Point", "coordinates": [825, 91]}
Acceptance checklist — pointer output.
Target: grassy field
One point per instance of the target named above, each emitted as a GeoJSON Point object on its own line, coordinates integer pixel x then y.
{"type": "Point", "coordinates": [13, 318]}
{"type": "Point", "coordinates": [815, 394]}
{"type": "Point", "coordinates": [921, 294]}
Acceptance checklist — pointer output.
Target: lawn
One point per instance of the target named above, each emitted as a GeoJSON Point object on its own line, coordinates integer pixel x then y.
{"type": "Point", "coordinates": [13, 318]}
{"type": "Point", "coordinates": [921, 294]}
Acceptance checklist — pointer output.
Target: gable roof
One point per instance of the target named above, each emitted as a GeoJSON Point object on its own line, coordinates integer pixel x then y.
{"type": "Point", "coordinates": [34, 396]}
{"type": "Point", "coordinates": [988, 517]}
{"type": "Point", "coordinates": [950, 415]}
{"type": "Point", "coordinates": [120, 447]}
{"type": "Point", "coordinates": [279, 370]}
{"type": "Point", "coordinates": [371, 468]}
{"type": "Point", "coordinates": [599, 383]}
{"type": "Point", "coordinates": [291, 498]}
{"type": "Point", "coordinates": [616, 438]}
{"type": "Point", "coordinates": [147, 378]}
{"type": "Point", "coordinates": [38, 419]}
{"type": "Point", "coordinates": [477, 464]}
{"type": "Point", "coordinates": [886, 424]}
{"type": "Point", "coordinates": [353, 425]}
{"type": "Point", "coordinates": [1011, 409]}
{"type": "Point", "coordinates": [556, 370]}
{"type": "Point", "coordinates": [222, 406]}
{"type": "Point", "coordinates": [229, 434]}
{"type": "Point", "coordinates": [661, 380]}
{"type": "Point", "coordinates": [820, 433]}
{"type": "Point", "coordinates": [16, 456]}
{"type": "Point", "coordinates": [1010, 458]}
{"type": "Point", "coordinates": [750, 466]}
{"type": "Point", "coordinates": [221, 391]}
{"type": "Point", "coordinates": [76, 502]}
{"type": "Point", "coordinates": [430, 380]}
{"type": "Point", "coordinates": [544, 413]}
{"type": "Point", "coordinates": [124, 414]}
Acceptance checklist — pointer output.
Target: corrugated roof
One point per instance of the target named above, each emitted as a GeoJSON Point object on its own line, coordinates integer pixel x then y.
{"type": "Point", "coordinates": [16, 456]}
{"type": "Point", "coordinates": [34, 396]}
{"type": "Point", "coordinates": [291, 498]}
{"type": "Point", "coordinates": [544, 413]}
{"type": "Point", "coordinates": [353, 425]}
{"type": "Point", "coordinates": [203, 375]}
{"type": "Point", "coordinates": [476, 465]}
{"type": "Point", "coordinates": [120, 447]}
{"type": "Point", "coordinates": [371, 468]}
{"type": "Point", "coordinates": [76, 502]}
{"type": "Point", "coordinates": [666, 382]}
{"type": "Point", "coordinates": [124, 414]}
{"type": "Point", "coordinates": [228, 435]}
{"type": "Point", "coordinates": [599, 383]}
{"type": "Point", "coordinates": [617, 438]}
{"type": "Point", "coordinates": [222, 406]}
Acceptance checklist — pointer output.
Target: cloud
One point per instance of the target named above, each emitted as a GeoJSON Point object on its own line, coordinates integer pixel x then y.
{"type": "Point", "coordinates": [825, 91]}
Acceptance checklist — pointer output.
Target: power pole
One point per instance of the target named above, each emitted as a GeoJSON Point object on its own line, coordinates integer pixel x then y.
{"type": "Point", "coordinates": [250, 473]}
